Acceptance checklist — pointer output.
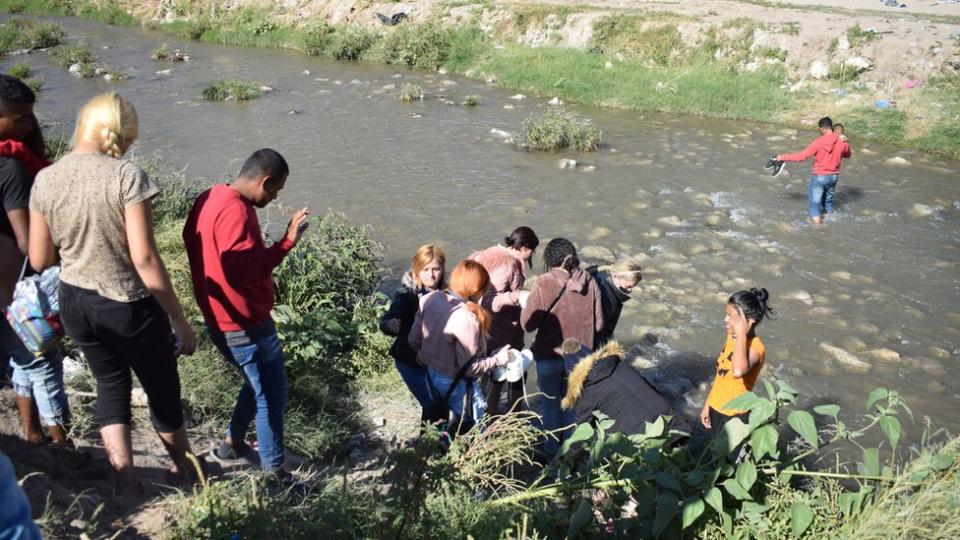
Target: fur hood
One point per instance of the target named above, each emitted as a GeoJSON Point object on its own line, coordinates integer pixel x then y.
{"type": "Point", "coordinates": [578, 377]}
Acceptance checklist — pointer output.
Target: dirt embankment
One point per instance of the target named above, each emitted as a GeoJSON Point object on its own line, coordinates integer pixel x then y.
{"type": "Point", "coordinates": [892, 44]}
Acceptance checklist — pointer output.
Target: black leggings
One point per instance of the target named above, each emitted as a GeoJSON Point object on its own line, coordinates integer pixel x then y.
{"type": "Point", "coordinates": [718, 420]}
{"type": "Point", "coordinates": [116, 337]}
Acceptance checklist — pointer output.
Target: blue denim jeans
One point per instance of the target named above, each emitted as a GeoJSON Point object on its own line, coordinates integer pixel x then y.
{"type": "Point", "coordinates": [415, 377]}
{"type": "Point", "coordinates": [15, 520]}
{"type": "Point", "coordinates": [552, 380]}
{"type": "Point", "coordinates": [256, 353]}
{"type": "Point", "coordinates": [442, 383]}
{"type": "Point", "coordinates": [38, 378]}
{"type": "Point", "coordinates": [820, 194]}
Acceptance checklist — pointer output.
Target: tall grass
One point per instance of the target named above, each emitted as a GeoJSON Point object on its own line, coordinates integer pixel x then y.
{"type": "Point", "coordinates": [557, 128]}
{"type": "Point", "coordinates": [232, 90]}
{"type": "Point", "coordinates": [29, 34]}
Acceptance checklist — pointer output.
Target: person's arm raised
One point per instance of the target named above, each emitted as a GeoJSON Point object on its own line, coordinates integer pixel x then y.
{"type": "Point", "coordinates": [146, 261]}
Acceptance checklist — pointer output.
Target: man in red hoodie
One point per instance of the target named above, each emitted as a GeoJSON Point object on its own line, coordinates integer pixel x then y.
{"type": "Point", "coordinates": [827, 150]}
{"type": "Point", "coordinates": [232, 273]}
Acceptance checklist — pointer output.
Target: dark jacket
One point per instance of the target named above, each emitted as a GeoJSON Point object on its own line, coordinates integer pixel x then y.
{"type": "Point", "coordinates": [404, 306]}
{"type": "Point", "coordinates": [612, 299]}
{"type": "Point", "coordinates": [577, 313]}
{"type": "Point", "coordinates": [604, 382]}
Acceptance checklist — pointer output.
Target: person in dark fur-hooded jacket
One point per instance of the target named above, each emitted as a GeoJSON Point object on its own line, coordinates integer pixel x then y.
{"type": "Point", "coordinates": [602, 381]}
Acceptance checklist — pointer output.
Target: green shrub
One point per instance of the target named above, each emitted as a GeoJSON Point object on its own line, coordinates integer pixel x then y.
{"type": "Point", "coordinates": [20, 70]}
{"type": "Point", "coordinates": [557, 128]}
{"type": "Point", "coordinates": [161, 53]}
{"type": "Point", "coordinates": [657, 45]}
{"type": "Point", "coordinates": [316, 39]}
{"type": "Point", "coordinates": [410, 92]}
{"type": "Point", "coordinates": [334, 260]}
{"type": "Point", "coordinates": [35, 84]}
{"type": "Point", "coordinates": [857, 35]}
{"type": "Point", "coordinates": [68, 55]}
{"type": "Point", "coordinates": [29, 34]}
{"type": "Point", "coordinates": [55, 145]}
{"type": "Point", "coordinates": [426, 46]}
{"type": "Point", "coordinates": [774, 53]}
{"type": "Point", "coordinates": [351, 43]}
{"type": "Point", "coordinates": [107, 12]}
{"type": "Point", "coordinates": [471, 101]}
{"type": "Point", "coordinates": [232, 90]}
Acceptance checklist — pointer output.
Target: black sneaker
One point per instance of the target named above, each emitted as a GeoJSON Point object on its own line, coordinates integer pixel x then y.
{"type": "Point", "coordinates": [770, 163]}
{"type": "Point", "coordinates": [778, 167]}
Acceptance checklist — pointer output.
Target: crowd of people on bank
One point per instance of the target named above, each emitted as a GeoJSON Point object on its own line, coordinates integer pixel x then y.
{"type": "Point", "coordinates": [90, 215]}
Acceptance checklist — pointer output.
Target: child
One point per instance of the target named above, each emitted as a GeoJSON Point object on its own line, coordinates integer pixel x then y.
{"type": "Point", "coordinates": [740, 360]}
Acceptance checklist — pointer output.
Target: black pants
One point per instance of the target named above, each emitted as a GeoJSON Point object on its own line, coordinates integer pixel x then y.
{"type": "Point", "coordinates": [116, 337]}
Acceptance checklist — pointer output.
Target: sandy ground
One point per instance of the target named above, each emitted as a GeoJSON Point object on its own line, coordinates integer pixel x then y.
{"type": "Point", "coordinates": [912, 6]}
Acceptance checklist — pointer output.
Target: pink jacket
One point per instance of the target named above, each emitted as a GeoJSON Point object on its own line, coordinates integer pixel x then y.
{"type": "Point", "coordinates": [827, 150]}
{"type": "Point", "coordinates": [446, 335]}
{"type": "Point", "coordinates": [507, 275]}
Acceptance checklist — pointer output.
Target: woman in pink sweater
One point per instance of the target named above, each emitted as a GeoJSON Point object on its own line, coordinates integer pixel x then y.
{"type": "Point", "coordinates": [449, 332]}
{"type": "Point", "coordinates": [506, 264]}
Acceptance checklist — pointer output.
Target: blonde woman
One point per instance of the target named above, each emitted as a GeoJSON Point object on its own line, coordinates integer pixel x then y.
{"type": "Point", "coordinates": [616, 282]}
{"type": "Point", "coordinates": [425, 276]}
{"type": "Point", "coordinates": [92, 211]}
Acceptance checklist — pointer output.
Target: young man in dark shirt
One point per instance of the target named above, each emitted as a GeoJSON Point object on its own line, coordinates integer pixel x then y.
{"type": "Point", "coordinates": [37, 380]}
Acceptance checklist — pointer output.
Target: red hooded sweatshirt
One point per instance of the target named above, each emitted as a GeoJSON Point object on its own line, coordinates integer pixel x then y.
{"type": "Point", "coordinates": [829, 149]}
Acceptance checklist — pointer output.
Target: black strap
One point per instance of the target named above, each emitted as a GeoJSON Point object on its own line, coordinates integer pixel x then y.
{"type": "Point", "coordinates": [456, 380]}
{"type": "Point", "coordinates": [552, 304]}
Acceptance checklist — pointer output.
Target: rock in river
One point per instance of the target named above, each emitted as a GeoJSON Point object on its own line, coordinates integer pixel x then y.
{"type": "Point", "coordinates": [846, 359]}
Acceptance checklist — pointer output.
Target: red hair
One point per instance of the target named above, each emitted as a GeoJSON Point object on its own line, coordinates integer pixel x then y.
{"type": "Point", "coordinates": [469, 280]}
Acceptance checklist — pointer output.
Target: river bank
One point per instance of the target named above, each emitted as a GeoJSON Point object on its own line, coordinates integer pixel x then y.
{"type": "Point", "coordinates": [891, 76]}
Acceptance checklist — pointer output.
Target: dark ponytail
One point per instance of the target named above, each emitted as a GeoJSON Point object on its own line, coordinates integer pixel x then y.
{"type": "Point", "coordinates": [560, 253]}
{"type": "Point", "coordinates": [522, 237]}
{"type": "Point", "coordinates": [755, 304]}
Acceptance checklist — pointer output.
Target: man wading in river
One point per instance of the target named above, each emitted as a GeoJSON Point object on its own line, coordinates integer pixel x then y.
{"type": "Point", "coordinates": [232, 279]}
{"type": "Point", "coordinates": [827, 149]}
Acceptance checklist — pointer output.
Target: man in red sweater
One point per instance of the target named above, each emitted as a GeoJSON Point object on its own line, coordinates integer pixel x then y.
{"type": "Point", "coordinates": [827, 150]}
{"type": "Point", "coordinates": [232, 272]}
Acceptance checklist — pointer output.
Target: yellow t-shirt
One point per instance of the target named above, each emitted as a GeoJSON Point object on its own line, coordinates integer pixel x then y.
{"type": "Point", "coordinates": [725, 386]}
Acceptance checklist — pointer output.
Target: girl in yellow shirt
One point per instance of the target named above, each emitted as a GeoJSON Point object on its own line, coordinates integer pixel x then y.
{"type": "Point", "coordinates": [741, 359]}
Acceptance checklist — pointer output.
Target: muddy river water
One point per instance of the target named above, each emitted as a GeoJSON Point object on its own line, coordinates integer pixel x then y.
{"type": "Point", "coordinates": [871, 299]}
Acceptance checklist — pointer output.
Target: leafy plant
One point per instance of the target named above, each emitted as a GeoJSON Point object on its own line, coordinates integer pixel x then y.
{"type": "Point", "coordinates": [557, 128]}
{"type": "Point", "coordinates": [426, 46]}
{"type": "Point", "coordinates": [232, 90]}
{"type": "Point", "coordinates": [20, 70]}
{"type": "Point", "coordinates": [410, 92]}
{"type": "Point", "coordinates": [316, 39]}
{"type": "Point", "coordinates": [68, 55]}
{"type": "Point", "coordinates": [351, 43]}
{"type": "Point", "coordinates": [723, 480]}
{"type": "Point", "coordinates": [471, 101]}
{"type": "Point", "coordinates": [29, 34]}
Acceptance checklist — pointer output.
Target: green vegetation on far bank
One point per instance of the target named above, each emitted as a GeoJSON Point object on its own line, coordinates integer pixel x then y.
{"type": "Point", "coordinates": [635, 61]}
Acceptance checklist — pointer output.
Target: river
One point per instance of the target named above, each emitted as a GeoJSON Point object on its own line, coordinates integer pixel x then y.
{"type": "Point", "coordinates": [685, 195]}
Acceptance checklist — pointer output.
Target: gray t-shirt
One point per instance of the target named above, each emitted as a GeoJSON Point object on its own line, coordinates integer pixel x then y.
{"type": "Point", "coordinates": [83, 198]}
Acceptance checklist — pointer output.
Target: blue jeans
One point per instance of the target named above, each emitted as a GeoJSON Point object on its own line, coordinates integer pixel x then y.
{"type": "Point", "coordinates": [820, 194]}
{"type": "Point", "coordinates": [552, 380]}
{"type": "Point", "coordinates": [256, 353]}
{"type": "Point", "coordinates": [415, 377]}
{"type": "Point", "coordinates": [442, 383]}
{"type": "Point", "coordinates": [39, 378]}
{"type": "Point", "coordinates": [15, 520]}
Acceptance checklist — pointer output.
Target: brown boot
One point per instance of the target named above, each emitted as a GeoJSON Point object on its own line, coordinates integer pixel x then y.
{"type": "Point", "coordinates": [30, 417]}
